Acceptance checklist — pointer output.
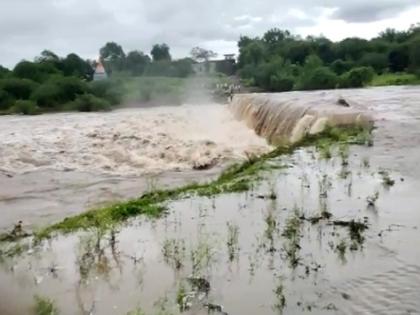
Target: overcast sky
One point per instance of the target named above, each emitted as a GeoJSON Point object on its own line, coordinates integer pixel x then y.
{"type": "Point", "coordinates": [83, 26]}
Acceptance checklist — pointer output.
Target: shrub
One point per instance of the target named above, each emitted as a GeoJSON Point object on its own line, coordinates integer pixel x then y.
{"type": "Point", "coordinates": [357, 77]}
{"type": "Point", "coordinates": [38, 72]}
{"type": "Point", "coordinates": [18, 88]}
{"type": "Point", "coordinates": [110, 90]}
{"type": "Point", "coordinates": [279, 83]}
{"type": "Point", "coordinates": [47, 95]}
{"type": "Point", "coordinates": [319, 78]}
{"type": "Point", "coordinates": [58, 90]}
{"type": "Point", "coordinates": [6, 100]}
{"type": "Point", "coordinates": [89, 103]}
{"type": "Point", "coordinates": [25, 108]}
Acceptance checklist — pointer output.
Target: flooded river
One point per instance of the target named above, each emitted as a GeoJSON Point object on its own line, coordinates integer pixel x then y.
{"type": "Point", "coordinates": [249, 253]}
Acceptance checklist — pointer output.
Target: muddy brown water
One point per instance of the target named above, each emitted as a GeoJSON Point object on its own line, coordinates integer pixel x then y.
{"type": "Point", "coordinates": [236, 242]}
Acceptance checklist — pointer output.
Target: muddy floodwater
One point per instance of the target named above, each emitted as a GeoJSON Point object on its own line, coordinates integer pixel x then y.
{"type": "Point", "coordinates": [317, 234]}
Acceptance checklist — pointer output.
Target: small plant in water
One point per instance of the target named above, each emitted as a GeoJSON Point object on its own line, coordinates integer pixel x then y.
{"type": "Point", "coordinates": [232, 240]}
{"type": "Point", "coordinates": [292, 233]}
{"type": "Point", "coordinates": [386, 179]}
{"type": "Point", "coordinates": [201, 256]}
{"type": "Point", "coordinates": [341, 249]}
{"type": "Point", "coordinates": [371, 200]}
{"type": "Point", "coordinates": [280, 297]}
{"type": "Point", "coordinates": [174, 253]}
{"type": "Point", "coordinates": [271, 227]}
{"type": "Point", "coordinates": [344, 154]}
{"type": "Point", "coordinates": [181, 298]}
{"type": "Point", "coordinates": [45, 306]}
{"type": "Point", "coordinates": [137, 311]}
{"type": "Point", "coordinates": [365, 162]}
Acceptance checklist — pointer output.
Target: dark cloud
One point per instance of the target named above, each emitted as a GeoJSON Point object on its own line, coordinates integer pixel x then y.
{"type": "Point", "coordinates": [64, 26]}
{"type": "Point", "coordinates": [358, 11]}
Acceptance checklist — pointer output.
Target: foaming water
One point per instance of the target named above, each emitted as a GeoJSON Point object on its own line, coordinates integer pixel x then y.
{"type": "Point", "coordinates": [288, 117]}
{"type": "Point", "coordinates": [126, 142]}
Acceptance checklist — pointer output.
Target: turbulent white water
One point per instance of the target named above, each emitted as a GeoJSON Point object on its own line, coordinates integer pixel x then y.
{"type": "Point", "coordinates": [289, 117]}
{"type": "Point", "coordinates": [126, 142]}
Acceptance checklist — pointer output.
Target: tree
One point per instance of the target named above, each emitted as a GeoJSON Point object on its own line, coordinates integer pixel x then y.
{"type": "Point", "coordinates": [414, 51]}
{"type": "Point", "coordinates": [136, 62]}
{"type": "Point", "coordinates": [4, 72]}
{"type": "Point", "coordinates": [113, 57]}
{"type": "Point", "coordinates": [38, 72]}
{"type": "Point", "coordinates": [160, 52]}
{"type": "Point", "coordinates": [379, 62]}
{"type": "Point", "coordinates": [399, 58]}
{"type": "Point", "coordinates": [73, 65]}
{"type": "Point", "coordinates": [200, 54]}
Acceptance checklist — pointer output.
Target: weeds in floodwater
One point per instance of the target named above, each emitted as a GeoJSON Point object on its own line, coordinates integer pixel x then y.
{"type": "Point", "coordinates": [270, 230]}
{"type": "Point", "coordinates": [45, 306]}
{"type": "Point", "coordinates": [324, 186]}
{"type": "Point", "coordinates": [201, 256]}
{"type": "Point", "coordinates": [292, 233]}
{"type": "Point", "coordinates": [371, 200]}
{"type": "Point", "coordinates": [280, 298]}
{"type": "Point", "coordinates": [365, 162]}
{"type": "Point", "coordinates": [174, 253]}
{"type": "Point", "coordinates": [137, 311]}
{"type": "Point", "coordinates": [181, 298]}
{"type": "Point", "coordinates": [343, 151]}
{"type": "Point", "coordinates": [387, 181]}
{"type": "Point", "coordinates": [232, 241]}
{"type": "Point", "coordinates": [324, 149]}
{"type": "Point", "coordinates": [341, 249]}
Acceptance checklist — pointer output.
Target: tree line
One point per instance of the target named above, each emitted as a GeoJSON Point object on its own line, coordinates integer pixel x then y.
{"type": "Point", "coordinates": [281, 61]}
{"type": "Point", "coordinates": [51, 83]}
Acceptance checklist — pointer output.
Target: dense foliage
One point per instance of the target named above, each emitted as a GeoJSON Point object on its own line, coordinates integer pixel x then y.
{"type": "Point", "coordinates": [280, 61]}
{"type": "Point", "coordinates": [52, 83]}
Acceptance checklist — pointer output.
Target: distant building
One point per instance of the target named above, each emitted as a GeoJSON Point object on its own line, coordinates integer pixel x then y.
{"type": "Point", "coordinates": [100, 73]}
{"type": "Point", "coordinates": [226, 66]}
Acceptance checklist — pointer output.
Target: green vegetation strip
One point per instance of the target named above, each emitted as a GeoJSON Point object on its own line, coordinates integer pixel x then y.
{"type": "Point", "coordinates": [237, 178]}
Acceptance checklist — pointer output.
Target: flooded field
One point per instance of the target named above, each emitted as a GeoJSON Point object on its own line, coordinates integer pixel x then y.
{"type": "Point", "coordinates": [332, 230]}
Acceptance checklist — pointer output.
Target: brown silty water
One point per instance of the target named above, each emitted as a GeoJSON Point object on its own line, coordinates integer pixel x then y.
{"type": "Point", "coordinates": [252, 253]}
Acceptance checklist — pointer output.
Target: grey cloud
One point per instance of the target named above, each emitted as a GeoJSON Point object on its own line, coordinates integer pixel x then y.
{"type": "Point", "coordinates": [64, 26]}
{"type": "Point", "coordinates": [369, 11]}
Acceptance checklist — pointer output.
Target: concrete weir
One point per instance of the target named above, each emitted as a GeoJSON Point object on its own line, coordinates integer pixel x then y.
{"type": "Point", "coordinates": [288, 117]}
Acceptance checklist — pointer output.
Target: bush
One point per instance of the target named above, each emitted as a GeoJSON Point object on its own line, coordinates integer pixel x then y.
{"type": "Point", "coordinates": [6, 100]}
{"type": "Point", "coordinates": [357, 77]}
{"type": "Point", "coordinates": [280, 83]}
{"type": "Point", "coordinates": [18, 88]}
{"type": "Point", "coordinates": [339, 66]}
{"type": "Point", "coordinates": [58, 90]}
{"type": "Point", "coordinates": [25, 108]}
{"type": "Point", "coordinates": [38, 72]}
{"type": "Point", "coordinates": [319, 78]}
{"type": "Point", "coordinates": [110, 90]}
{"type": "Point", "coordinates": [89, 103]}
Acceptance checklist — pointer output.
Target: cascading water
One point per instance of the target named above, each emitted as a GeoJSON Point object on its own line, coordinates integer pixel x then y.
{"type": "Point", "coordinates": [288, 117]}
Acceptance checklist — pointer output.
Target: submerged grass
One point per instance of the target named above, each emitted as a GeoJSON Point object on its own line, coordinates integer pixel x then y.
{"type": "Point", "coordinates": [237, 178]}
{"type": "Point", "coordinates": [44, 306]}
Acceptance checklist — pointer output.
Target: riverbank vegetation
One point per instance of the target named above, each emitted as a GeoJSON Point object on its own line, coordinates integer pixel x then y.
{"type": "Point", "coordinates": [280, 61]}
{"type": "Point", "coordinates": [51, 83]}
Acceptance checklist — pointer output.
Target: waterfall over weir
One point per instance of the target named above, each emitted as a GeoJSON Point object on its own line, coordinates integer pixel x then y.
{"type": "Point", "coordinates": [288, 117]}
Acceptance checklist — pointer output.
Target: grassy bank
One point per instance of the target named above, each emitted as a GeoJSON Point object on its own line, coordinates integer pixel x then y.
{"type": "Point", "coordinates": [237, 178]}
{"type": "Point", "coordinates": [395, 79]}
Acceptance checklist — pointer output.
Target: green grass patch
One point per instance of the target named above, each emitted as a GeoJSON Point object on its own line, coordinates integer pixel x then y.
{"type": "Point", "coordinates": [45, 306]}
{"type": "Point", "coordinates": [395, 79]}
